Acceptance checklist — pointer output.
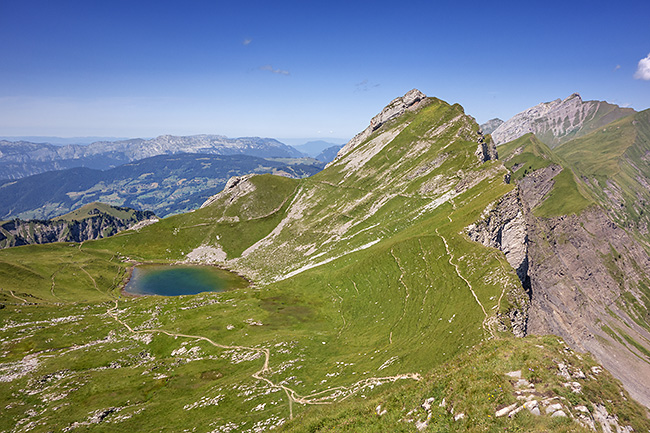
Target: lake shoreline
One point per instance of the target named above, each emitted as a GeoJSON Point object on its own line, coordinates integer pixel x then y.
{"type": "Point", "coordinates": [176, 279]}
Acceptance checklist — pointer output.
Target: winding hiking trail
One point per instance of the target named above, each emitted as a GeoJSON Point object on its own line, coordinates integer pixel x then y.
{"type": "Point", "coordinates": [345, 323]}
{"type": "Point", "coordinates": [11, 292]}
{"type": "Point", "coordinates": [293, 396]}
{"type": "Point", "coordinates": [487, 323]}
{"type": "Point", "coordinates": [91, 278]}
{"type": "Point", "coordinates": [54, 284]}
{"type": "Point", "coordinates": [406, 297]}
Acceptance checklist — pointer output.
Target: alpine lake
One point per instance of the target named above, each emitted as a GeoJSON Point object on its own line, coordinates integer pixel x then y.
{"type": "Point", "coordinates": [178, 280]}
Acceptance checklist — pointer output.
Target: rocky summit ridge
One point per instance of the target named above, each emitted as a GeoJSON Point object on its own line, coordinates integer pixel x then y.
{"type": "Point", "coordinates": [560, 120]}
{"type": "Point", "coordinates": [410, 101]}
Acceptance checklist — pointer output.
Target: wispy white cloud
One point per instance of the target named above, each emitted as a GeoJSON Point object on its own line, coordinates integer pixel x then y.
{"type": "Point", "coordinates": [643, 70]}
{"type": "Point", "coordinates": [270, 68]}
{"type": "Point", "coordinates": [246, 41]}
{"type": "Point", "coordinates": [617, 67]}
{"type": "Point", "coordinates": [365, 85]}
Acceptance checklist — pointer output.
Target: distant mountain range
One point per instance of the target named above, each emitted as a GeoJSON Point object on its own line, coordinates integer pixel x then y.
{"type": "Point", "coordinates": [165, 184]}
{"type": "Point", "coordinates": [59, 141]}
{"type": "Point", "coordinates": [328, 155]}
{"type": "Point", "coordinates": [21, 159]}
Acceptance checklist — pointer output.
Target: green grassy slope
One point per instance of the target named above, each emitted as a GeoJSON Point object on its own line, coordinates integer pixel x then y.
{"type": "Point", "coordinates": [59, 272]}
{"type": "Point", "coordinates": [613, 161]}
{"type": "Point", "coordinates": [475, 384]}
{"type": "Point", "coordinates": [234, 226]}
{"type": "Point", "coordinates": [527, 154]}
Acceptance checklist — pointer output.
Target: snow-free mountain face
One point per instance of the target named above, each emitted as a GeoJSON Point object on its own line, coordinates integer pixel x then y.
{"type": "Point", "coordinates": [489, 126]}
{"type": "Point", "coordinates": [20, 159]}
{"type": "Point", "coordinates": [583, 206]}
{"type": "Point", "coordinates": [559, 121]}
{"type": "Point", "coordinates": [328, 155]}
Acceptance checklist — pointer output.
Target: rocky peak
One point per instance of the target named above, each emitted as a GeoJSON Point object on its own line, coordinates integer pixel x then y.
{"type": "Point", "coordinates": [236, 187]}
{"type": "Point", "coordinates": [398, 106]}
{"type": "Point", "coordinates": [558, 121]}
{"type": "Point", "coordinates": [489, 126]}
{"type": "Point", "coordinates": [574, 95]}
{"type": "Point", "coordinates": [486, 150]}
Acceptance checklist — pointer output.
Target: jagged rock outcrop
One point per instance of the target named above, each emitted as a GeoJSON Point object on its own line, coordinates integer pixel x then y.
{"type": "Point", "coordinates": [558, 121]}
{"type": "Point", "coordinates": [489, 126]}
{"type": "Point", "coordinates": [410, 101]}
{"type": "Point", "coordinates": [236, 187]}
{"type": "Point", "coordinates": [487, 149]}
{"type": "Point", "coordinates": [504, 228]}
{"type": "Point", "coordinates": [17, 232]}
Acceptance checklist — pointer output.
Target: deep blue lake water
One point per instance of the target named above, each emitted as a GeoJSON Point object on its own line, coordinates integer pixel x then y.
{"type": "Point", "coordinates": [176, 280]}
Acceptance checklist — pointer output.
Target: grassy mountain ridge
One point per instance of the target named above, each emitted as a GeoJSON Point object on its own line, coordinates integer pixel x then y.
{"type": "Point", "coordinates": [528, 154]}
{"type": "Point", "coordinates": [364, 285]}
{"type": "Point", "coordinates": [92, 221]}
{"type": "Point", "coordinates": [613, 163]}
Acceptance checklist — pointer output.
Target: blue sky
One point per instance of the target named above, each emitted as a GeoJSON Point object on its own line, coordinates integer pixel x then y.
{"type": "Point", "coordinates": [303, 69]}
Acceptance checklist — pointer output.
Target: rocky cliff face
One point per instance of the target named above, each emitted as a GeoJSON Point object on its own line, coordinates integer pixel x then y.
{"type": "Point", "coordinates": [576, 270]}
{"type": "Point", "coordinates": [504, 227]}
{"type": "Point", "coordinates": [580, 269]}
{"type": "Point", "coordinates": [18, 232]}
{"type": "Point", "coordinates": [487, 149]}
{"type": "Point", "coordinates": [558, 121]}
